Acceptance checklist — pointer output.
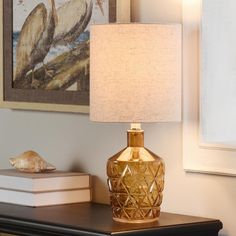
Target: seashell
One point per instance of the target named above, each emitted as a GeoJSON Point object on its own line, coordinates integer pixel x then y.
{"type": "Point", "coordinates": [32, 162]}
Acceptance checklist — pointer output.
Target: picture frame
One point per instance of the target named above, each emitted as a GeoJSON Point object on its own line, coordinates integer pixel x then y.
{"type": "Point", "coordinates": [36, 99]}
{"type": "Point", "coordinates": [199, 156]}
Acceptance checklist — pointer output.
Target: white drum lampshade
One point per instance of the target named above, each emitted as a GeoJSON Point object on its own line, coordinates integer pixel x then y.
{"type": "Point", "coordinates": [135, 73]}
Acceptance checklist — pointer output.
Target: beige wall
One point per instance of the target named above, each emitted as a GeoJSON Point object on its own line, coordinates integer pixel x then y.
{"type": "Point", "coordinates": [71, 141]}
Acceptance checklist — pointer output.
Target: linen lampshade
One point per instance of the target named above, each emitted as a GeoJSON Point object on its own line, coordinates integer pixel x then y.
{"type": "Point", "coordinates": [135, 73]}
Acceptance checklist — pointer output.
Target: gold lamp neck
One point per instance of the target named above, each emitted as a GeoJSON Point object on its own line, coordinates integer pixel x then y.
{"type": "Point", "coordinates": [135, 136]}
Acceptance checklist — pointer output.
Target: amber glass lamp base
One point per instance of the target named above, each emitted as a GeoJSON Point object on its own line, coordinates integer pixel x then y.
{"type": "Point", "coordinates": [136, 181]}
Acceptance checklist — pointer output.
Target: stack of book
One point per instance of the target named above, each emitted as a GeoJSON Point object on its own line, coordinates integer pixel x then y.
{"type": "Point", "coordinates": [44, 189]}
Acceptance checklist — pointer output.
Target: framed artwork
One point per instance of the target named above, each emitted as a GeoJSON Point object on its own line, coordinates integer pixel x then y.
{"type": "Point", "coordinates": [46, 52]}
{"type": "Point", "coordinates": [208, 84]}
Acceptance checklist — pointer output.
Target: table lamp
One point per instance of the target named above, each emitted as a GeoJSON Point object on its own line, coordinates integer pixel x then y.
{"type": "Point", "coordinates": [135, 76]}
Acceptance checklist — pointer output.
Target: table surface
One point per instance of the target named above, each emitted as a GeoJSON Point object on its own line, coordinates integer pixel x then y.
{"type": "Point", "coordinates": [92, 219]}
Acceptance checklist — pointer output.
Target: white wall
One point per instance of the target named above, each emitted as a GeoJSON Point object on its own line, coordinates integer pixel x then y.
{"type": "Point", "coordinates": [71, 141]}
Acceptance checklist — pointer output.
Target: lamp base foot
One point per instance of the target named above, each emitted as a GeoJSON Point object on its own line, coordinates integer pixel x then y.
{"type": "Point", "coordinates": [136, 221]}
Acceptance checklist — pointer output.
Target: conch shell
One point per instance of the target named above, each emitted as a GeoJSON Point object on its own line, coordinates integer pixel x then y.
{"type": "Point", "coordinates": [32, 162]}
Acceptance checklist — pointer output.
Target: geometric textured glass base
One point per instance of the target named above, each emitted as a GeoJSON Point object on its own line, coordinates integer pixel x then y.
{"type": "Point", "coordinates": [136, 182]}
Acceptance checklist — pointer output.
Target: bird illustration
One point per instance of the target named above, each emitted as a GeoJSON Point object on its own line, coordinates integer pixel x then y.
{"type": "Point", "coordinates": [73, 18]}
{"type": "Point", "coordinates": [35, 39]}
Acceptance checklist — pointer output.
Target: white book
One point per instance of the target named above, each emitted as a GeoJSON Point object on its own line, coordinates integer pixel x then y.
{"type": "Point", "coordinates": [38, 182]}
{"type": "Point", "coordinates": [45, 198]}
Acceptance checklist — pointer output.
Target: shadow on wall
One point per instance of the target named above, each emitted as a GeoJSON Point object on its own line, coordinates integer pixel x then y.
{"type": "Point", "coordinates": [101, 190]}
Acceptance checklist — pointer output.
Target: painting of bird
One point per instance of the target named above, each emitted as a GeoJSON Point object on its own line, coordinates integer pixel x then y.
{"type": "Point", "coordinates": [55, 35]}
{"type": "Point", "coordinates": [35, 39]}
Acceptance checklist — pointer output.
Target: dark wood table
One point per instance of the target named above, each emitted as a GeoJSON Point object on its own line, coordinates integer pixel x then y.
{"type": "Point", "coordinates": [95, 219]}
